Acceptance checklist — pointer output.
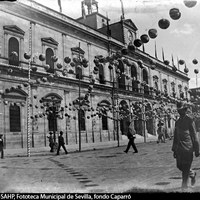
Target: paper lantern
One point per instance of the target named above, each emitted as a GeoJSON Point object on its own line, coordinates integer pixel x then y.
{"type": "Point", "coordinates": [27, 56]}
{"type": "Point", "coordinates": [163, 23]}
{"type": "Point", "coordinates": [59, 66]}
{"type": "Point", "coordinates": [181, 62]}
{"type": "Point", "coordinates": [67, 60]}
{"type": "Point", "coordinates": [144, 38]}
{"type": "Point", "coordinates": [42, 57]}
{"type": "Point", "coordinates": [190, 4]}
{"type": "Point", "coordinates": [46, 67]}
{"type": "Point", "coordinates": [72, 64]}
{"type": "Point", "coordinates": [174, 13]}
{"type": "Point", "coordinates": [124, 51]}
{"type": "Point", "coordinates": [195, 61]}
{"type": "Point", "coordinates": [196, 71]}
{"type": "Point", "coordinates": [131, 47]}
{"type": "Point", "coordinates": [152, 33]}
{"type": "Point", "coordinates": [186, 70]}
{"type": "Point", "coordinates": [137, 42]}
{"type": "Point", "coordinates": [166, 62]}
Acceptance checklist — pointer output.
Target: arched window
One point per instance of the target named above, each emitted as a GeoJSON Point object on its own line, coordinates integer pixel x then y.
{"type": "Point", "coordinates": [15, 118]}
{"type": "Point", "coordinates": [101, 75]}
{"type": "Point", "coordinates": [49, 61]}
{"type": "Point", "coordinates": [81, 118]}
{"type": "Point", "coordinates": [104, 121]}
{"type": "Point", "coordinates": [121, 78]}
{"type": "Point", "coordinates": [134, 76]}
{"type": "Point", "coordinates": [13, 51]}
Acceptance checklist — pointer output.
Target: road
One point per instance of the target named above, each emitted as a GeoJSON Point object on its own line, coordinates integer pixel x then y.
{"type": "Point", "coordinates": [108, 170]}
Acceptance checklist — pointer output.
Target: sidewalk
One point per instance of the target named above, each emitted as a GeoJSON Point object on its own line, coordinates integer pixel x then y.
{"type": "Point", "coordinates": [45, 151]}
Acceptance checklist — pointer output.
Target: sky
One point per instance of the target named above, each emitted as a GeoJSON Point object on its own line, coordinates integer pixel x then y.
{"type": "Point", "coordinates": [180, 40]}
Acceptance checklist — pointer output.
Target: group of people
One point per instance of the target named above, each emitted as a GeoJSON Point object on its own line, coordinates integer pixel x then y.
{"type": "Point", "coordinates": [61, 143]}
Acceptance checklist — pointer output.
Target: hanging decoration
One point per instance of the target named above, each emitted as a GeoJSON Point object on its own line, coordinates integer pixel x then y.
{"type": "Point", "coordinates": [54, 58]}
{"type": "Point", "coordinates": [181, 62]}
{"type": "Point", "coordinates": [190, 3]}
{"type": "Point", "coordinates": [144, 38]}
{"type": "Point", "coordinates": [42, 57]}
{"type": "Point", "coordinates": [196, 71]}
{"type": "Point", "coordinates": [137, 42]}
{"type": "Point", "coordinates": [152, 33]}
{"type": "Point", "coordinates": [163, 23]}
{"type": "Point", "coordinates": [59, 66]}
{"type": "Point", "coordinates": [124, 51]}
{"type": "Point", "coordinates": [131, 47]}
{"type": "Point", "coordinates": [67, 60]}
{"type": "Point", "coordinates": [195, 61]}
{"type": "Point", "coordinates": [27, 56]}
{"type": "Point", "coordinates": [175, 13]}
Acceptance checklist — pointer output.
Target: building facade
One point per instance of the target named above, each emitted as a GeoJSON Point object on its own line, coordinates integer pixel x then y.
{"type": "Point", "coordinates": [82, 76]}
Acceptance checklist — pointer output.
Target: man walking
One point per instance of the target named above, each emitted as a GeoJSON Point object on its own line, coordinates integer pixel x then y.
{"type": "Point", "coordinates": [1, 146]}
{"type": "Point", "coordinates": [131, 134]}
{"type": "Point", "coordinates": [185, 142]}
{"type": "Point", "coordinates": [61, 143]}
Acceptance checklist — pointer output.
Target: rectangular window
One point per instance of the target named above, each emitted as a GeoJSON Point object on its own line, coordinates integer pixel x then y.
{"type": "Point", "coordinates": [15, 122]}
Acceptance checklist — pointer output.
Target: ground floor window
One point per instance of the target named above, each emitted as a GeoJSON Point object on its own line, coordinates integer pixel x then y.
{"type": "Point", "coordinates": [15, 118]}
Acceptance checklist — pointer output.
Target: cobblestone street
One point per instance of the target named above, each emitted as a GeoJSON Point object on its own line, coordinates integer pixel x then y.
{"type": "Point", "coordinates": [107, 170]}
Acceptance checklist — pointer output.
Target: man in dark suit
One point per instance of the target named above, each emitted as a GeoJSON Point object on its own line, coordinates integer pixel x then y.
{"type": "Point", "coordinates": [185, 142]}
{"type": "Point", "coordinates": [1, 146]}
{"type": "Point", "coordinates": [61, 143]}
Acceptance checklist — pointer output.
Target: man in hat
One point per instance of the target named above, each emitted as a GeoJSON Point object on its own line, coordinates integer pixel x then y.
{"type": "Point", "coordinates": [1, 146]}
{"type": "Point", "coordinates": [185, 143]}
{"type": "Point", "coordinates": [161, 132]}
{"type": "Point", "coordinates": [61, 143]}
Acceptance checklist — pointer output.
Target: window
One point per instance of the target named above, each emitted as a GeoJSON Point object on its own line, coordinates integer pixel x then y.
{"type": "Point", "coordinates": [49, 61]}
{"type": "Point", "coordinates": [134, 76]}
{"type": "Point", "coordinates": [81, 116]}
{"type": "Point", "coordinates": [15, 122]}
{"type": "Point", "coordinates": [121, 76]}
{"type": "Point", "coordinates": [13, 51]}
{"type": "Point", "coordinates": [52, 119]}
{"type": "Point", "coordinates": [104, 121]}
{"type": "Point", "coordinates": [101, 74]}
{"type": "Point", "coordinates": [145, 79]}
{"type": "Point", "coordinates": [79, 74]}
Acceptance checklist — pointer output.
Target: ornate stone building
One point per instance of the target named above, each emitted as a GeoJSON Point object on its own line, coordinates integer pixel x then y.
{"type": "Point", "coordinates": [67, 61]}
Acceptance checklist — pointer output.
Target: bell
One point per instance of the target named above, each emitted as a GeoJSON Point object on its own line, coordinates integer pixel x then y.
{"type": "Point", "coordinates": [163, 23]}
{"type": "Point", "coordinates": [152, 33]}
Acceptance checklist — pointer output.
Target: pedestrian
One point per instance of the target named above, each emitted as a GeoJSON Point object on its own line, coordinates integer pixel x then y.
{"type": "Point", "coordinates": [61, 143]}
{"type": "Point", "coordinates": [185, 143]}
{"type": "Point", "coordinates": [1, 146]}
{"type": "Point", "coordinates": [131, 134]}
{"type": "Point", "coordinates": [161, 132]}
{"type": "Point", "coordinates": [51, 142]}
